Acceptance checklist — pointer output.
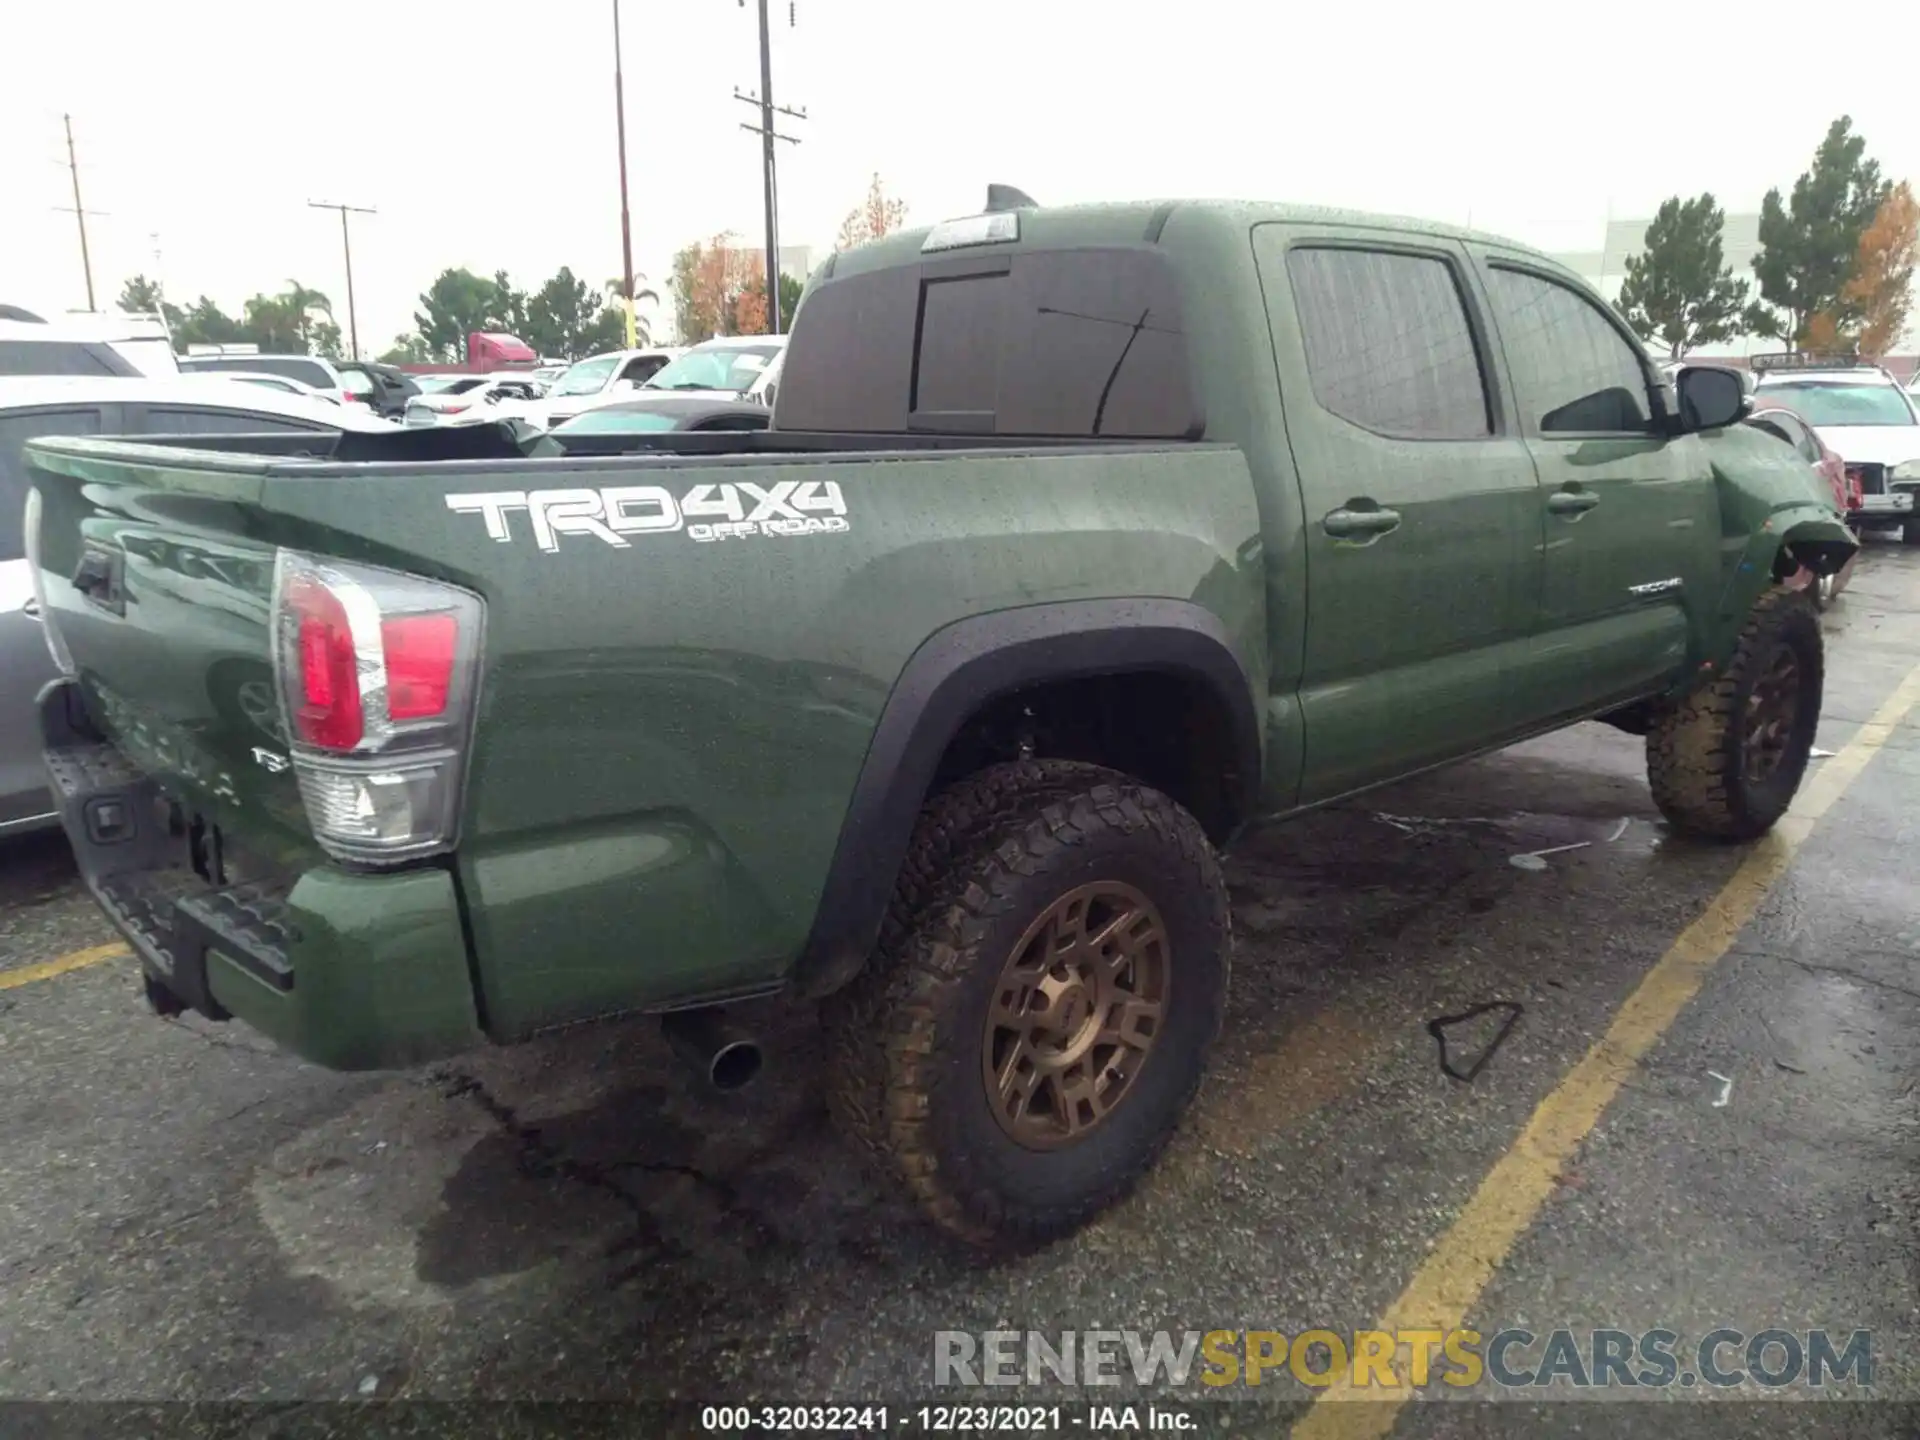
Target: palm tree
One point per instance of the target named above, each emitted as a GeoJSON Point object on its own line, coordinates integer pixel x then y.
{"type": "Point", "coordinates": [616, 288]}
{"type": "Point", "coordinates": [302, 304]}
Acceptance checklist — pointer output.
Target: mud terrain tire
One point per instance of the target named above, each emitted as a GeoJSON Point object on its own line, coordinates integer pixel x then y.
{"type": "Point", "coordinates": [1003, 866]}
{"type": "Point", "coordinates": [1724, 763]}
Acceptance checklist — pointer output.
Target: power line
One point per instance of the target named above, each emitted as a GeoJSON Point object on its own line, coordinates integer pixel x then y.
{"type": "Point", "coordinates": [79, 210]}
{"type": "Point", "coordinates": [346, 244]}
{"type": "Point", "coordinates": [765, 130]}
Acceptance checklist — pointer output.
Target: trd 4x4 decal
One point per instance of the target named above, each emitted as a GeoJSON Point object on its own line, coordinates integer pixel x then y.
{"type": "Point", "coordinates": [730, 511]}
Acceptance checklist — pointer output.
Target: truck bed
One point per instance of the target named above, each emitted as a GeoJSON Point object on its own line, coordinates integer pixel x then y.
{"type": "Point", "coordinates": [687, 646]}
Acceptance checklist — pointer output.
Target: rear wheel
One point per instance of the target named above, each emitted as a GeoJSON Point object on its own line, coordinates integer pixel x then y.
{"type": "Point", "coordinates": [1910, 532]}
{"type": "Point", "coordinates": [1725, 762]}
{"type": "Point", "coordinates": [1021, 1048]}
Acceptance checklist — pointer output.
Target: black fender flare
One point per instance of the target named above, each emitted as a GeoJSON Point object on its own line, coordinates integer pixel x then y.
{"type": "Point", "coordinates": [966, 666]}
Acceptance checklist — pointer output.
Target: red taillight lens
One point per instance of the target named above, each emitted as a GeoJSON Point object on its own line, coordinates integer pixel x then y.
{"type": "Point", "coordinates": [329, 713]}
{"type": "Point", "coordinates": [452, 409]}
{"type": "Point", "coordinates": [421, 650]}
{"type": "Point", "coordinates": [377, 672]}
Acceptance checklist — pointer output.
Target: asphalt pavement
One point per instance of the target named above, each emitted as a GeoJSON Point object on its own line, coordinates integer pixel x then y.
{"type": "Point", "coordinates": [194, 1216]}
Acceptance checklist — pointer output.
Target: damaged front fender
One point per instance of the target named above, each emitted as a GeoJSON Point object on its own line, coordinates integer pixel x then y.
{"type": "Point", "coordinates": [1775, 517]}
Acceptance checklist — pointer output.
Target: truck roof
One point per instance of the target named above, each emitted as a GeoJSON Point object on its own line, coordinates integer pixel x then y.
{"type": "Point", "coordinates": [1130, 221]}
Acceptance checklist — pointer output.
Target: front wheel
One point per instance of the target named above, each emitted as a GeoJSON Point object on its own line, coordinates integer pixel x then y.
{"type": "Point", "coordinates": [1725, 762]}
{"type": "Point", "coordinates": [1043, 1019]}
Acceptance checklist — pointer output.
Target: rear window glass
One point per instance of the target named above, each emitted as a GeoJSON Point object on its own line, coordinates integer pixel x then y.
{"type": "Point", "coordinates": [1825, 403]}
{"type": "Point", "coordinates": [192, 420]}
{"type": "Point", "coordinates": [1048, 343]}
{"type": "Point", "coordinates": [57, 357]}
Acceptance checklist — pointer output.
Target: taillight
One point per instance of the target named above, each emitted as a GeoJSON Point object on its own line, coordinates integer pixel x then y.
{"type": "Point", "coordinates": [453, 409]}
{"type": "Point", "coordinates": [377, 673]}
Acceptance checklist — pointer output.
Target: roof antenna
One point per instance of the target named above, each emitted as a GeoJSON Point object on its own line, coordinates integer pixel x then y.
{"type": "Point", "coordinates": [1005, 197]}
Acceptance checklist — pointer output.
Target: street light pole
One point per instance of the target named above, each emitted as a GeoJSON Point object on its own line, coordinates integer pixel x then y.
{"type": "Point", "coordinates": [346, 245]}
{"type": "Point", "coordinates": [626, 223]}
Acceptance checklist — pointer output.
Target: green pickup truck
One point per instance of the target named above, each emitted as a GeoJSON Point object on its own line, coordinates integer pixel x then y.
{"type": "Point", "coordinates": [1082, 538]}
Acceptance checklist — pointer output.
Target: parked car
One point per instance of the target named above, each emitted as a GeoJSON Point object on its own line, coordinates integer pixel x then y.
{"type": "Point", "coordinates": [117, 343]}
{"type": "Point", "coordinates": [1829, 471]}
{"type": "Point", "coordinates": [285, 384]}
{"type": "Point", "coordinates": [655, 414]}
{"type": "Point", "coordinates": [312, 370]}
{"type": "Point", "coordinates": [743, 365]}
{"type": "Point", "coordinates": [934, 701]}
{"type": "Point", "coordinates": [31, 406]}
{"type": "Point", "coordinates": [434, 384]}
{"type": "Point", "coordinates": [1861, 411]}
{"type": "Point", "coordinates": [596, 380]}
{"type": "Point", "coordinates": [384, 389]}
{"type": "Point", "coordinates": [479, 396]}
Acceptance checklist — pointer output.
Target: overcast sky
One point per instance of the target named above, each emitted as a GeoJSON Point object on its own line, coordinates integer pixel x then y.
{"type": "Point", "coordinates": [483, 131]}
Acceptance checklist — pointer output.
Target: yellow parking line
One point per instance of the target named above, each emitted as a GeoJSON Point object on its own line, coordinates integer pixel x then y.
{"type": "Point", "coordinates": [1445, 1288]}
{"type": "Point", "coordinates": [46, 970]}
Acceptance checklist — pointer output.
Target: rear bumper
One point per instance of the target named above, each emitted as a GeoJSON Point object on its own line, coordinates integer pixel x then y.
{"type": "Point", "coordinates": [353, 972]}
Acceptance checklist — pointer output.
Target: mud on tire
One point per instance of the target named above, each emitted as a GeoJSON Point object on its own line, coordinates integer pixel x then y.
{"type": "Point", "coordinates": [1725, 761]}
{"type": "Point", "coordinates": [998, 865]}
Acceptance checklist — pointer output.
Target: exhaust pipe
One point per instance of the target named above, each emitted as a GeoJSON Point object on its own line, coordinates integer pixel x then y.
{"type": "Point", "coordinates": [720, 1052]}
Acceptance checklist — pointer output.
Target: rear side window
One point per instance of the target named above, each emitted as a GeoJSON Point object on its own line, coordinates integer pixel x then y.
{"type": "Point", "coordinates": [356, 382]}
{"type": "Point", "coordinates": [15, 430]}
{"type": "Point", "coordinates": [1575, 372]}
{"type": "Point", "coordinates": [190, 420]}
{"type": "Point", "coordinates": [1075, 344]}
{"type": "Point", "coordinates": [1388, 343]}
{"type": "Point", "coordinates": [59, 357]}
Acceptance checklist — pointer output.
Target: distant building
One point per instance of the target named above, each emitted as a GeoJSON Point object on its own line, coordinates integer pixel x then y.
{"type": "Point", "coordinates": [1606, 268]}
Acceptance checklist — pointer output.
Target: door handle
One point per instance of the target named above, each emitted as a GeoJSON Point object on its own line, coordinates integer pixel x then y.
{"type": "Point", "coordinates": [1343, 523]}
{"type": "Point", "coordinates": [30, 608]}
{"type": "Point", "coordinates": [1572, 502]}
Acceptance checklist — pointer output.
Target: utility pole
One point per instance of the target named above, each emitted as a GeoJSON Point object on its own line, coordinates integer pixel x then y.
{"type": "Point", "coordinates": [80, 211]}
{"type": "Point", "coordinates": [767, 134]}
{"type": "Point", "coordinates": [626, 224]}
{"type": "Point", "coordinates": [346, 244]}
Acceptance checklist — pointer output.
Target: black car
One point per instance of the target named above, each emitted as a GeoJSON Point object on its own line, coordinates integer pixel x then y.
{"type": "Point", "coordinates": [382, 388]}
{"type": "Point", "coordinates": [665, 411]}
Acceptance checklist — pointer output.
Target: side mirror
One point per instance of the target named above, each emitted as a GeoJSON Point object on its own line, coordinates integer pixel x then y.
{"type": "Point", "coordinates": [626, 387]}
{"type": "Point", "coordinates": [1711, 398]}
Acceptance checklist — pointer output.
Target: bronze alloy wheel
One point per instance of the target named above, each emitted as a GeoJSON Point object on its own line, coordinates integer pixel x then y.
{"type": "Point", "coordinates": [1772, 707]}
{"type": "Point", "coordinates": [1080, 1002]}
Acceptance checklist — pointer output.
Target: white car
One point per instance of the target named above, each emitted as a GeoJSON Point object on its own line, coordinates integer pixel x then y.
{"type": "Point", "coordinates": [115, 343]}
{"type": "Point", "coordinates": [285, 384]}
{"type": "Point", "coordinates": [593, 382]}
{"type": "Point", "coordinates": [1862, 412]}
{"type": "Point", "coordinates": [745, 366]}
{"type": "Point", "coordinates": [106, 405]}
{"type": "Point", "coordinates": [313, 370]}
{"type": "Point", "coordinates": [475, 397]}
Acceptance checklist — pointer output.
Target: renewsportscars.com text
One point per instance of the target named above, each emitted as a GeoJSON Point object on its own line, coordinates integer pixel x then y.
{"type": "Point", "coordinates": [1388, 1359]}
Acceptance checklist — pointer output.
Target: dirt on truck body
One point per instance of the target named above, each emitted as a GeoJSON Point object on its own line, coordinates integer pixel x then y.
{"type": "Point", "coordinates": [1082, 538]}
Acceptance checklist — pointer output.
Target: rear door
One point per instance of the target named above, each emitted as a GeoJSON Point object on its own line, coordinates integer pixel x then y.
{"type": "Point", "coordinates": [25, 663]}
{"type": "Point", "coordinates": [1628, 516]}
{"type": "Point", "coordinates": [1421, 534]}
